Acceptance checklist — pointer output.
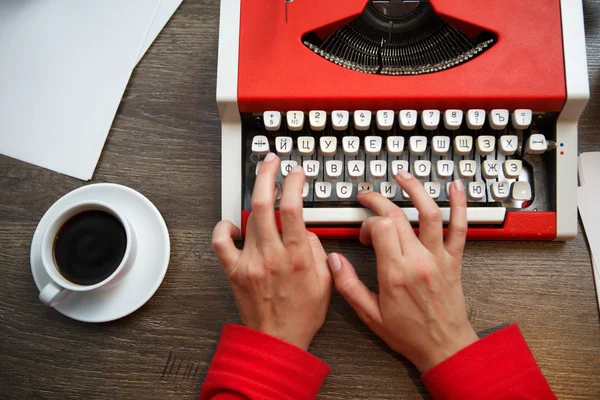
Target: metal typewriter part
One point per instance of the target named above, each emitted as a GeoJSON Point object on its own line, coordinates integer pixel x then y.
{"type": "Point", "coordinates": [398, 37]}
{"type": "Point", "coordinates": [503, 159]}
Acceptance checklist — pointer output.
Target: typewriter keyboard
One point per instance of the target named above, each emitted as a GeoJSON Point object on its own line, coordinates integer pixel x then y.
{"type": "Point", "coordinates": [501, 157]}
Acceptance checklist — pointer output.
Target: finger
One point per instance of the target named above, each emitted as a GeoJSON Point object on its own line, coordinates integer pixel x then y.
{"type": "Point", "coordinates": [222, 243]}
{"type": "Point", "coordinates": [290, 211]}
{"type": "Point", "coordinates": [263, 200]}
{"type": "Point", "coordinates": [457, 228]}
{"type": "Point", "coordinates": [382, 233]}
{"type": "Point", "coordinates": [250, 238]}
{"type": "Point", "coordinates": [360, 298]}
{"type": "Point", "coordinates": [385, 208]}
{"type": "Point", "coordinates": [319, 255]}
{"type": "Point", "coordinates": [430, 216]}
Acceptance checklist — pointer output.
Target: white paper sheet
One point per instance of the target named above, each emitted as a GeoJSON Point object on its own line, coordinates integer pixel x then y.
{"type": "Point", "coordinates": [164, 12]}
{"type": "Point", "coordinates": [587, 202]}
{"type": "Point", "coordinates": [64, 66]}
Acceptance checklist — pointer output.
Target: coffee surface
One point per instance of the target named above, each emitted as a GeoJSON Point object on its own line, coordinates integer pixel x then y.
{"type": "Point", "coordinates": [89, 247]}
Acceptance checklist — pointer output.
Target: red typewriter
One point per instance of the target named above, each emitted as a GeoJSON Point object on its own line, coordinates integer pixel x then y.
{"type": "Point", "coordinates": [489, 92]}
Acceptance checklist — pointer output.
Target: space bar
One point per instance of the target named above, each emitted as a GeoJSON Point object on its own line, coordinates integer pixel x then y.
{"type": "Point", "coordinates": [355, 216]}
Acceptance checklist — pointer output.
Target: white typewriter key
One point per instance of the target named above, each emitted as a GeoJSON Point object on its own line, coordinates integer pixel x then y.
{"type": "Point", "coordinates": [508, 144]}
{"type": "Point", "coordinates": [444, 169]}
{"type": "Point", "coordinates": [317, 120]}
{"type": "Point", "coordinates": [258, 165]}
{"type": "Point", "coordinates": [422, 169]}
{"type": "Point", "coordinates": [372, 145]}
{"type": "Point", "coordinates": [287, 166]}
{"type": "Point", "coordinates": [521, 119]}
{"type": "Point", "coordinates": [295, 120]}
{"type": "Point", "coordinates": [512, 168]}
{"type": "Point", "coordinates": [343, 190]}
{"type": "Point", "coordinates": [395, 145]}
{"type": "Point", "coordinates": [498, 119]}
{"type": "Point", "coordinates": [440, 145]}
{"type": "Point", "coordinates": [323, 190]}
{"type": "Point", "coordinates": [521, 190]}
{"type": "Point", "coordinates": [434, 189]}
{"type": "Point", "coordinates": [448, 184]}
{"type": "Point", "coordinates": [486, 145]}
{"type": "Point", "coordinates": [305, 188]}
{"type": "Point", "coordinates": [463, 145]}
{"type": "Point", "coordinates": [356, 169]}
{"type": "Point", "coordinates": [397, 165]}
{"type": "Point", "coordinates": [388, 189]}
{"type": "Point", "coordinates": [491, 169]}
{"type": "Point", "coordinates": [334, 168]}
{"type": "Point", "coordinates": [378, 168]}
{"type": "Point", "coordinates": [350, 145]}
{"type": "Point", "coordinates": [407, 119]}
{"type": "Point", "coordinates": [467, 168]}
{"type": "Point", "coordinates": [500, 190]}
{"type": "Point", "coordinates": [260, 145]}
{"type": "Point", "coordinates": [430, 119]}
{"type": "Point", "coordinates": [362, 120]}
{"type": "Point", "coordinates": [417, 145]}
{"type": "Point", "coordinates": [272, 120]}
{"type": "Point", "coordinates": [284, 145]}
{"type": "Point", "coordinates": [536, 144]}
{"type": "Point", "coordinates": [365, 186]}
{"type": "Point", "coordinates": [328, 145]}
{"type": "Point", "coordinates": [306, 145]}
{"type": "Point", "coordinates": [475, 119]}
{"type": "Point", "coordinates": [385, 119]}
{"type": "Point", "coordinates": [405, 195]}
{"type": "Point", "coordinates": [476, 190]}
{"type": "Point", "coordinates": [311, 169]}
{"type": "Point", "coordinates": [340, 119]}
{"type": "Point", "coordinates": [453, 119]}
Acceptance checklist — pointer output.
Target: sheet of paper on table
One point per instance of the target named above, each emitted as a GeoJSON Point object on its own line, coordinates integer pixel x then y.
{"type": "Point", "coordinates": [64, 68]}
{"type": "Point", "coordinates": [588, 194]}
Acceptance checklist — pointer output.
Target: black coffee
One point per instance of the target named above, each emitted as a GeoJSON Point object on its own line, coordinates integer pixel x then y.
{"type": "Point", "coordinates": [89, 247]}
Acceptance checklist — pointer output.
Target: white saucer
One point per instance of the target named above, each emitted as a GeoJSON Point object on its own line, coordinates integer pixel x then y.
{"type": "Point", "coordinates": [145, 276]}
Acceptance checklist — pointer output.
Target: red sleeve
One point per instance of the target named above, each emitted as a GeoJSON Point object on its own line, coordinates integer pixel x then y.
{"type": "Point", "coordinates": [499, 366]}
{"type": "Point", "coordinates": [253, 365]}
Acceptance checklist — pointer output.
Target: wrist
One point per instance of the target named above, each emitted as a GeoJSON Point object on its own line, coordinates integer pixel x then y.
{"type": "Point", "coordinates": [441, 353]}
{"type": "Point", "coordinates": [302, 343]}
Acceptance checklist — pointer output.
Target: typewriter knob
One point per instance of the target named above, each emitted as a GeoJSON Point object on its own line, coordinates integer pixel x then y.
{"type": "Point", "coordinates": [397, 16]}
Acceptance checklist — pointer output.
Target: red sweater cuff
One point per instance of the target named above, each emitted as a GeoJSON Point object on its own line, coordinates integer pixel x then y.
{"type": "Point", "coordinates": [255, 365]}
{"type": "Point", "coordinates": [499, 366]}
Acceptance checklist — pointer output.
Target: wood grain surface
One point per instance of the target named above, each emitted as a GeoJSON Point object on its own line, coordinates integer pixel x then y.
{"type": "Point", "coordinates": [165, 143]}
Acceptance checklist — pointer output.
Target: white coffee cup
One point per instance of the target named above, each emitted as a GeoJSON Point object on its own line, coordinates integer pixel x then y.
{"type": "Point", "coordinates": [59, 288]}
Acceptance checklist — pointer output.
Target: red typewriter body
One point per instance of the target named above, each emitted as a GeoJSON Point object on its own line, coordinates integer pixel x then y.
{"type": "Point", "coordinates": [524, 69]}
{"type": "Point", "coordinates": [537, 63]}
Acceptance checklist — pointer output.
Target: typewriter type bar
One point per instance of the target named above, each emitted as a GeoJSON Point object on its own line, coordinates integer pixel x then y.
{"type": "Point", "coordinates": [497, 120]}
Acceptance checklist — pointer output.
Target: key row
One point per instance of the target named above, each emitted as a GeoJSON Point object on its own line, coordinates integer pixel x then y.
{"type": "Point", "coordinates": [406, 119]}
{"type": "Point", "coordinates": [395, 145]}
{"type": "Point", "coordinates": [422, 169]}
{"type": "Point", "coordinates": [476, 191]}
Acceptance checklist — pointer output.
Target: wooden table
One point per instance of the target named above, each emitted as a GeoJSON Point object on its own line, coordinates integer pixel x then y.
{"type": "Point", "coordinates": [165, 143]}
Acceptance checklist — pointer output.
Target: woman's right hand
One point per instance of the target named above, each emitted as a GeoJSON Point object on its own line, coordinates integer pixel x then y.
{"type": "Point", "coordinates": [420, 310]}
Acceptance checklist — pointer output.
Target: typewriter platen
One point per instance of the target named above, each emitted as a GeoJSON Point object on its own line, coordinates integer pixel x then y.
{"type": "Point", "coordinates": [354, 90]}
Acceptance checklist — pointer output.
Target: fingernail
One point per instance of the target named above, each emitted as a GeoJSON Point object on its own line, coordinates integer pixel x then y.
{"type": "Point", "coordinates": [458, 185]}
{"type": "Point", "coordinates": [404, 174]}
{"type": "Point", "coordinates": [296, 169]}
{"type": "Point", "coordinates": [334, 263]}
{"type": "Point", "coordinates": [269, 157]}
{"type": "Point", "coordinates": [364, 191]}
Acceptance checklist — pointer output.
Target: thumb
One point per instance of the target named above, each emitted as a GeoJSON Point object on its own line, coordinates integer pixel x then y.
{"type": "Point", "coordinates": [360, 298]}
